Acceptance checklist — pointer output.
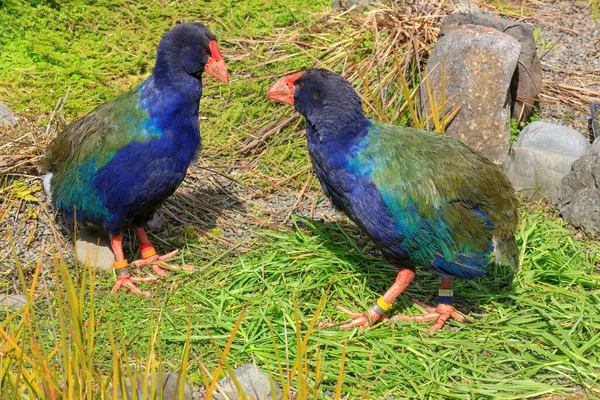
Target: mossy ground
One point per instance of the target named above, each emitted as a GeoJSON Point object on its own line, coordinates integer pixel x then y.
{"type": "Point", "coordinates": [530, 333]}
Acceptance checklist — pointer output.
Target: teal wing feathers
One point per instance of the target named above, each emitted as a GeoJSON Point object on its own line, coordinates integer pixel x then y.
{"type": "Point", "coordinates": [447, 199]}
{"type": "Point", "coordinates": [87, 144]}
{"type": "Point", "coordinates": [100, 133]}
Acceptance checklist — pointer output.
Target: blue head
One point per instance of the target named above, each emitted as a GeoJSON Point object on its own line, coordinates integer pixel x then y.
{"type": "Point", "coordinates": [327, 101]}
{"type": "Point", "coordinates": [184, 53]}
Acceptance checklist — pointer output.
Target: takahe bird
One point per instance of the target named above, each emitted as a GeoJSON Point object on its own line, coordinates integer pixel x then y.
{"type": "Point", "coordinates": [425, 199]}
{"type": "Point", "coordinates": [117, 164]}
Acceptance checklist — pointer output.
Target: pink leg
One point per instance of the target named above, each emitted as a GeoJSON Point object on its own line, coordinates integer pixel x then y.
{"type": "Point", "coordinates": [405, 276]}
{"type": "Point", "coordinates": [441, 314]}
{"type": "Point", "coordinates": [121, 267]}
{"type": "Point", "coordinates": [151, 258]}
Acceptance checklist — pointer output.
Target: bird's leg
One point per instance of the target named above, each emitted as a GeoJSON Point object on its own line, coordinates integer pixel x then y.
{"type": "Point", "coordinates": [441, 314]}
{"type": "Point", "coordinates": [405, 276]}
{"type": "Point", "coordinates": [149, 255]}
{"type": "Point", "coordinates": [122, 269]}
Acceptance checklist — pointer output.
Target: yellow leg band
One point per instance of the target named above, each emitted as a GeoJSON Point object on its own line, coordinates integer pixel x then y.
{"type": "Point", "coordinates": [148, 252]}
{"type": "Point", "coordinates": [383, 304]}
{"type": "Point", "coordinates": [121, 264]}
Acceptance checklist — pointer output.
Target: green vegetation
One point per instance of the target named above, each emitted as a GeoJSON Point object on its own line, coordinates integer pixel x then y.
{"type": "Point", "coordinates": [595, 7]}
{"type": "Point", "coordinates": [101, 48]}
{"type": "Point", "coordinates": [531, 332]}
{"type": "Point", "coordinates": [516, 128]}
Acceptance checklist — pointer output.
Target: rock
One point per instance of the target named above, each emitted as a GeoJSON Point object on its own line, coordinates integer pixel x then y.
{"type": "Point", "coordinates": [89, 252]}
{"type": "Point", "coordinates": [254, 383]}
{"type": "Point", "coordinates": [542, 156]}
{"type": "Point", "coordinates": [478, 65]}
{"type": "Point", "coordinates": [7, 118]}
{"type": "Point", "coordinates": [527, 80]}
{"type": "Point", "coordinates": [346, 4]}
{"type": "Point", "coordinates": [170, 388]}
{"type": "Point", "coordinates": [12, 301]}
{"type": "Point", "coordinates": [579, 199]}
{"type": "Point", "coordinates": [466, 6]}
{"type": "Point", "coordinates": [154, 221]}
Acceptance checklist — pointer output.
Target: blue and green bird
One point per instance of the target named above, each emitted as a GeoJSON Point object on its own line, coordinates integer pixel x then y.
{"type": "Point", "coordinates": [425, 199]}
{"type": "Point", "coordinates": [117, 164]}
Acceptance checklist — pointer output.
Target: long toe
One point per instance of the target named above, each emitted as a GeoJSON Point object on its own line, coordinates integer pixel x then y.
{"type": "Point", "coordinates": [145, 261]}
{"type": "Point", "coordinates": [158, 270]}
{"type": "Point", "coordinates": [130, 283]}
{"type": "Point", "coordinates": [149, 260]}
{"type": "Point", "coordinates": [440, 315]}
{"type": "Point", "coordinates": [168, 255]}
{"type": "Point", "coordinates": [360, 319]}
{"type": "Point", "coordinates": [159, 266]}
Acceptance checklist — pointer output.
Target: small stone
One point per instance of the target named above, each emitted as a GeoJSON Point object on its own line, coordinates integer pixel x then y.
{"type": "Point", "coordinates": [346, 4]}
{"type": "Point", "coordinates": [7, 118]}
{"type": "Point", "coordinates": [170, 388]}
{"type": "Point", "coordinates": [254, 383]}
{"type": "Point", "coordinates": [12, 300]}
{"type": "Point", "coordinates": [466, 6]}
{"type": "Point", "coordinates": [89, 252]}
{"type": "Point", "coordinates": [579, 199]}
{"type": "Point", "coordinates": [541, 157]}
{"type": "Point", "coordinates": [154, 221]}
{"type": "Point", "coordinates": [478, 64]}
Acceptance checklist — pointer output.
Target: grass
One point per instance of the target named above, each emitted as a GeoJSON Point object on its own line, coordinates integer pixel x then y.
{"type": "Point", "coordinates": [517, 127]}
{"type": "Point", "coordinates": [530, 333]}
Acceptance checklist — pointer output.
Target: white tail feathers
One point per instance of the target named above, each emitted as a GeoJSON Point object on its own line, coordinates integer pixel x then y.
{"type": "Point", "coordinates": [506, 251]}
{"type": "Point", "coordinates": [46, 184]}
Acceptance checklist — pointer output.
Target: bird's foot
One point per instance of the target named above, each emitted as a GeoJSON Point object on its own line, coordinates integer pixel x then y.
{"type": "Point", "coordinates": [159, 265]}
{"type": "Point", "coordinates": [440, 315]}
{"type": "Point", "coordinates": [129, 282]}
{"type": "Point", "coordinates": [358, 319]}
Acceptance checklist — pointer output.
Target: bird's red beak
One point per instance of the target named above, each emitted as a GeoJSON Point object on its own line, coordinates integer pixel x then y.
{"type": "Point", "coordinates": [216, 65]}
{"type": "Point", "coordinates": [283, 89]}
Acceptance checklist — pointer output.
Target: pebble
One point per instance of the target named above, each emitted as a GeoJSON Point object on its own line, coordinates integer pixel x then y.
{"type": "Point", "coordinates": [170, 388]}
{"type": "Point", "coordinates": [7, 118]}
{"type": "Point", "coordinates": [89, 252]}
{"type": "Point", "coordinates": [14, 301]}
{"type": "Point", "coordinates": [255, 384]}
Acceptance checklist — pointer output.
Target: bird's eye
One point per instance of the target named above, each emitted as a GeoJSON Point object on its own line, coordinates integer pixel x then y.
{"type": "Point", "coordinates": [204, 52]}
{"type": "Point", "coordinates": [300, 85]}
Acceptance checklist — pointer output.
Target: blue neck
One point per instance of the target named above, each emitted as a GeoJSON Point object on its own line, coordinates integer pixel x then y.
{"type": "Point", "coordinates": [334, 138]}
{"type": "Point", "coordinates": [337, 126]}
{"type": "Point", "coordinates": [169, 79]}
{"type": "Point", "coordinates": [169, 107]}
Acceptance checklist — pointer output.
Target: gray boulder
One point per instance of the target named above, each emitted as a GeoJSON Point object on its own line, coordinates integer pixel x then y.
{"type": "Point", "coordinates": [478, 65]}
{"type": "Point", "coordinates": [579, 199]}
{"type": "Point", "coordinates": [255, 384]}
{"type": "Point", "coordinates": [7, 118]}
{"type": "Point", "coordinates": [14, 301]}
{"type": "Point", "coordinates": [541, 157]}
{"type": "Point", "coordinates": [527, 80]}
{"type": "Point", "coordinates": [89, 252]}
{"type": "Point", "coordinates": [170, 388]}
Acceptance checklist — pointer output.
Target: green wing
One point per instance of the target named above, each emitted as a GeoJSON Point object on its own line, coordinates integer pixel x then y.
{"type": "Point", "coordinates": [437, 188]}
{"type": "Point", "coordinates": [100, 133]}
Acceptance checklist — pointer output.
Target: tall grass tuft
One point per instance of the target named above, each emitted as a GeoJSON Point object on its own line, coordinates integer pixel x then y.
{"type": "Point", "coordinates": [46, 363]}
